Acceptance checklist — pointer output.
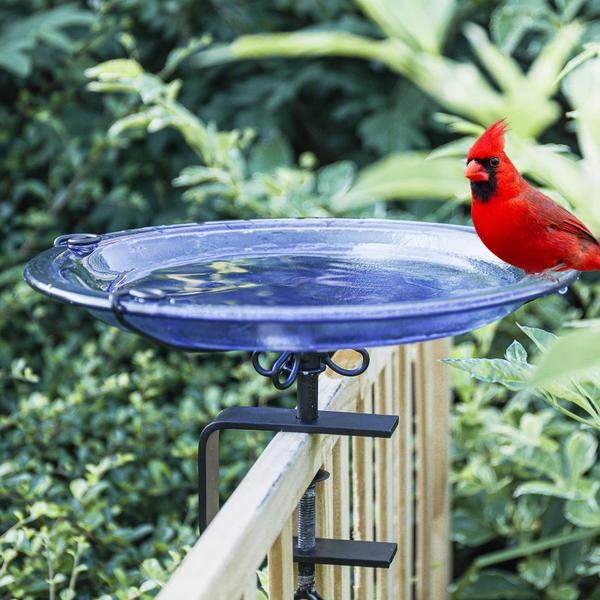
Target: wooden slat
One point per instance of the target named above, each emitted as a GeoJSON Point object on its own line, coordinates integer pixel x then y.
{"type": "Point", "coordinates": [424, 514]}
{"type": "Point", "coordinates": [280, 561]}
{"type": "Point", "coordinates": [218, 565]}
{"type": "Point", "coordinates": [325, 526]}
{"type": "Point", "coordinates": [440, 401]}
{"type": "Point", "coordinates": [432, 407]}
{"type": "Point", "coordinates": [384, 483]}
{"type": "Point", "coordinates": [341, 513]}
{"type": "Point", "coordinates": [362, 493]}
{"type": "Point", "coordinates": [404, 469]}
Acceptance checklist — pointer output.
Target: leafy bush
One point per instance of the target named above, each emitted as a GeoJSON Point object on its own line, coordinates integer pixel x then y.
{"type": "Point", "coordinates": [526, 478]}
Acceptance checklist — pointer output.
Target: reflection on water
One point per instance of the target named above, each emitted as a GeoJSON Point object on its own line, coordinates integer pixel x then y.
{"type": "Point", "coordinates": [304, 279]}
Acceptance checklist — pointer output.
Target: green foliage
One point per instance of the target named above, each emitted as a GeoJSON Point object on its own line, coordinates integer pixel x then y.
{"type": "Point", "coordinates": [17, 40]}
{"type": "Point", "coordinates": [98, 428]}
{"type": "Point", "coordinates": [525, 480]}
{"type": "Point", "coordinates": [257, 183]}
{"type": "Point", "coordinates": [412, 49]}
{"type": "Point", "coordinates": [573, 354]}
{"type": "Point", "coordinates": [575, 398]}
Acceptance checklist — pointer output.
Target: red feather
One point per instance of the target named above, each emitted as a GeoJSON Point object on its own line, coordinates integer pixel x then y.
{"type": "Point", "coordinates": [520, 224]}
{"type": "Point", "coordinates": [490, 142]}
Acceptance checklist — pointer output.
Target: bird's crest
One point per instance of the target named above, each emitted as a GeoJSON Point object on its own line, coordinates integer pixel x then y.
{"type": "Point", "coordinates": [490, 142]}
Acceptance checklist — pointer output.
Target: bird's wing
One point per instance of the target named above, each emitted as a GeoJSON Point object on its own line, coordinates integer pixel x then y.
{"type": "Point", "coordinates": [558, 217]}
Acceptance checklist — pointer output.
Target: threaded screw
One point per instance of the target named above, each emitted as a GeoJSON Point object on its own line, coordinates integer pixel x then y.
{"type": "Point", "coordinates": [307, 526]}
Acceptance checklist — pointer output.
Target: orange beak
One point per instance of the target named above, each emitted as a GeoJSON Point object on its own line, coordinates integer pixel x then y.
{"type": "Point", "coordinates": [476, 172]}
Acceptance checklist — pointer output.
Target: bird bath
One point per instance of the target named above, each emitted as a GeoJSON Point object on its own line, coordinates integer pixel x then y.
{"type": "Point", "coordinates": [303, 288]}
{"type": "Point", "coordinates": [289, 284]}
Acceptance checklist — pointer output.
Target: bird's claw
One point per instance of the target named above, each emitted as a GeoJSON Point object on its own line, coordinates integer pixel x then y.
{"type": "Point", "coordinates": [550, 274]}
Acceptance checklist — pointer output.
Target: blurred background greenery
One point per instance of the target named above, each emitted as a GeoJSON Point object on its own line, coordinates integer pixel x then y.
{"type": "Point", "coordinates": [127, 113]}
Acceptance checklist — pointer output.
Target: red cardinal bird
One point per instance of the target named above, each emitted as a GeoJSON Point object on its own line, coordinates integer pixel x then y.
{"type": "Point", "coordinates": [518, 223]}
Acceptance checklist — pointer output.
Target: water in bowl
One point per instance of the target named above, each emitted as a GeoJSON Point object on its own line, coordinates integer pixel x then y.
{"type": "Point", "coordinates": [319, 280]}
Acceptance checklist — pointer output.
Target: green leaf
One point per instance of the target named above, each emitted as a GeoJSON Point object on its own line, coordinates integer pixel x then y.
{"type": "Point", "coordinates": [582, 514]}
{"type": "Point", "coordinates": [563, 591]}
{"type": "Point", "coordinates": [335, 180]}
{"type": "Point", "coordinates": [573, 354]}
{"type": "Point", "coordinates": [19, 38]}
{"type": "Point", "coordinates": [495, 584]}
{"type": "Point", "coordinates": [542, 339]}
{"type": "Point", "coordinates": [409, 176]}
{"type": "Point", "coordinates": [537, 571]}
{"type": "Point", "coordinates": [198, 175]}
{"type": "Point", "coordinates": [148, 586]}
{"type": "Point", "coordinates": [421, 24]}
{"type": "Point", "coordinates": [263, 578]}
{"type": "Point", "coordinates": [511, 21]}
{"type": "Point", "coordinates": [544, 488]}
{"type": "Point", "coordinates": [516, 353]}
{"type": "Point", "coordinates": [6, 580]}
{"type": "Point", "coordinates": [570, 8]}
{"type": "Point", "coordinates": [583, 93]}
{"type": "Point", "coordinates": [471, 528]}
{"type": "Point", "coordinates": [582, 490]}
{"type": "Point", "coordinates": [269, 154]}
{"type": "Point", "coordinates": [139, 120]}
{"type": "Point", "coordinates": [179, 55]}
{"type": "Point", "coordinates": [455, 148]}
{"type": "Point", "coordinates": [152, 569]}
{"type": "Point", "coordinates": [15, 61]}
{"type": "Point", "coordinates": [505, 71]}
{"type": "Point", "coordinates": [550, 61]}
{"type": "Point", "coordinates": [113, 70]}
{"type": "Point", "coordinates": [398, 126]}
{"type": "Point", "coordinates": [590, 51]}
{"type": "Point", "coordinates": [495, 370]}
{"type": "Point", "coordinates": [580, 451]}
{"type": "Point", "coordinates": [56, 38]}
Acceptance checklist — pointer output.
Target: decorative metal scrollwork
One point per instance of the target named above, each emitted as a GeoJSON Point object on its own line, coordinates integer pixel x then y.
{"type": "Point", "coordinates": [349, 372]}
{"type": "Point", "coordinates": [284, 370]}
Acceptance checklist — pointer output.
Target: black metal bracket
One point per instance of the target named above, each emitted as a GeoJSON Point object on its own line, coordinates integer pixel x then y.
{"type": "Point", "coordinates": [349, 553]}
{"type": "Point", "coordinates": [274, 419]}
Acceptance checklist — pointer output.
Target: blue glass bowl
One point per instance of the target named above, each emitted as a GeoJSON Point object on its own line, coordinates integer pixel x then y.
{"type": "Point", "coordinates": [288, 284]}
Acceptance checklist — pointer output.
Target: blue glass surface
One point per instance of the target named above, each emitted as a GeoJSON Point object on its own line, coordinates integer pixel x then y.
{"type": "Point", "coordinates": [290, 284]}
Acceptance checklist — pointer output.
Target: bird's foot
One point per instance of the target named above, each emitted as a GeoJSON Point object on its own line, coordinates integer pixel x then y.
{"type": "Point", "coordinates": [551, 274]}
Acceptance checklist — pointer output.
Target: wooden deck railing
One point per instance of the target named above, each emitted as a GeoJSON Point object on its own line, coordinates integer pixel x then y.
{"type": "Point", "coordinates": [389, 490]}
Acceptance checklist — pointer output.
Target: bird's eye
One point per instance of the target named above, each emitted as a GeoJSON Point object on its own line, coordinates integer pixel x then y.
{"type": "Point", "coordinates": [494, 161]}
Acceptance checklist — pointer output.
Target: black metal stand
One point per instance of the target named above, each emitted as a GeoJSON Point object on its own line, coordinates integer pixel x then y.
{"type": "Point", "coordinates": [288, 367]}
{"type": "Point", "coordinates": [305, 368]}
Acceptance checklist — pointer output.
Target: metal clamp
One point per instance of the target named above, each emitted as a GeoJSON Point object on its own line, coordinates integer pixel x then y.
{"type": "Point", "coordinates": [250, 418]}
